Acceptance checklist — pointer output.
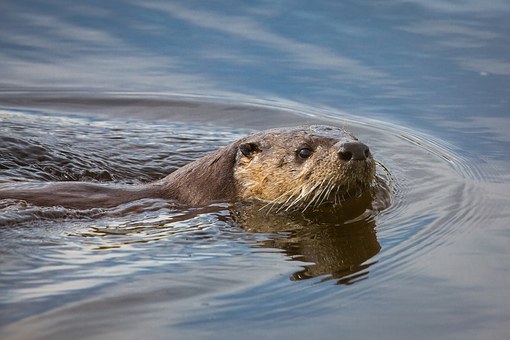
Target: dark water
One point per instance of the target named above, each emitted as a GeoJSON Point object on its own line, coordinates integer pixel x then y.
{"type": "Point", "coordinates": [129, 91]}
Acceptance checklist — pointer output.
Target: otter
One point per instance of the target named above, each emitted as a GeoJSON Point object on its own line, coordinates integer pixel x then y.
{"type": "Point", "coordinates": [288, 168]}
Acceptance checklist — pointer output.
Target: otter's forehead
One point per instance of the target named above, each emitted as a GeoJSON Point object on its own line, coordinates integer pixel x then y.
{"type": "Point", "coordinates": [310, 134]}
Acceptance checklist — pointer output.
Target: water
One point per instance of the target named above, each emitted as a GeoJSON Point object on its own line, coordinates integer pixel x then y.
{"type": "Point", "coordinates": [129, 92]}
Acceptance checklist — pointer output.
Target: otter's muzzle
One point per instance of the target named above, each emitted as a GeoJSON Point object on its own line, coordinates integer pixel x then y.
{"type": "Point", "coordinates": [352, 151]}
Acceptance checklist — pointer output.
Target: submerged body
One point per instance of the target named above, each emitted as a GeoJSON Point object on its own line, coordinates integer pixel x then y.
{"type": "Point", "coordinates": [289, 167]}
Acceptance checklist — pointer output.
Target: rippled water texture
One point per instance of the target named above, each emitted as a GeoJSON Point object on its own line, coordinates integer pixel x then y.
{"type": "Point", "coordinates": [128, 91]}
{"type": "Point", "coordinates": [150, 254]}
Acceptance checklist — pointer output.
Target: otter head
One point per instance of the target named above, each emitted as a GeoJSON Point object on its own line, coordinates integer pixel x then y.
{"type": "Point", "coordinates": [302, 167]}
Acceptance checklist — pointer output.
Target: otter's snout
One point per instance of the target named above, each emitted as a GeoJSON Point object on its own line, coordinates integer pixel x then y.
{"type": "Point", "coordinates": [355, 151]}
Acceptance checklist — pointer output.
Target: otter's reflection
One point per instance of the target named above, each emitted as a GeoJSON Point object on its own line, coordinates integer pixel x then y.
{"type": "Point", "coordinates": [336, 242]}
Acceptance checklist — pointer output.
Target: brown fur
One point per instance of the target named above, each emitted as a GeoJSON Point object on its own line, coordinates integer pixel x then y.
{"type": "Point", "coordinates": [263, 166]}
{"type": "Point", "coordinates": [275, 173]}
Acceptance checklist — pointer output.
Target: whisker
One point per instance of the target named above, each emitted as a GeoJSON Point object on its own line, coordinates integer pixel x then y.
{"type": "Point", "coordinates": [314, 194]}
{"type": "Point", "coordinates": [312, 199]}
{"type": "Point", "coordinates": [303, 194]}
{"type": "Point", "coordinates": [327, 193]}
{"type": "Point", "coordinates": [290, 193]}
{"type": "Point", "coordinates": [318, 191]}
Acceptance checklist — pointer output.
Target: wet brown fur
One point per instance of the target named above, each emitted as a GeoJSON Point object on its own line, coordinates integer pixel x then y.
{"type": "Point", "coordinates": [275, 173]}
{"type": "Point", "coordinates": [263, 166]}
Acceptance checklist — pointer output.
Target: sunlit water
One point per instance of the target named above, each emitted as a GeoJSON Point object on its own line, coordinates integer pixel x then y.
{"type": "Point", "coordinates": [128, 91]}
{"type": "Point", "coordinates": [222, 260]}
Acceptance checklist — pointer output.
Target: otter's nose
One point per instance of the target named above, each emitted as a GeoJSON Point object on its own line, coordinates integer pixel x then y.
{"type": "Point", "coordinates": [355, 151]}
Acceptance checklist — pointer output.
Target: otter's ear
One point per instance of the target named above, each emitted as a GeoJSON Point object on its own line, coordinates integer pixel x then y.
{"type": "Point", "coordinates": [249, 149]}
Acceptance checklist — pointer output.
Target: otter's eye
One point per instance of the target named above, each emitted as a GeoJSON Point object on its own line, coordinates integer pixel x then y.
{"type": "Point", "coordinates": [304, 153]}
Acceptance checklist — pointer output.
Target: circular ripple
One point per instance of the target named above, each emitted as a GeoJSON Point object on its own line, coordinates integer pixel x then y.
{"type": "Point", "coordinates": [428, 193]}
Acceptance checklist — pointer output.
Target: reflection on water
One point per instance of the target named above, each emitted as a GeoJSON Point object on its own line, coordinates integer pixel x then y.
{"type": "Point", "coordinates": [55, 257]}
{"type": "Point", "coordinates": [336, 241]}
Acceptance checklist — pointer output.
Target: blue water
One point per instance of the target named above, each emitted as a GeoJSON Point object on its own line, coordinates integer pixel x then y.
{"type": "Point", "coordinates": [425, 83]}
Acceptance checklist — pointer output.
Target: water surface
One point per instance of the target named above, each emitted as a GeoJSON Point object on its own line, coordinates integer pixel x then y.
{"type": "Point", "coordinates": [129, 92]}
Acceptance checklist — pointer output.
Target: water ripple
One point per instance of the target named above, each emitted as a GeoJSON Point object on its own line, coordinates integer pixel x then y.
{"type": "Point", "coordinates": [427, 193]}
